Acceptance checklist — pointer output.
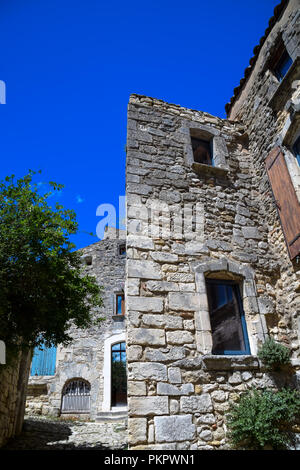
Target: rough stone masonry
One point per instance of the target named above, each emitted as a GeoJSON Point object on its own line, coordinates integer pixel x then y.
{"type": "Point", "coordinates": [188, 223]}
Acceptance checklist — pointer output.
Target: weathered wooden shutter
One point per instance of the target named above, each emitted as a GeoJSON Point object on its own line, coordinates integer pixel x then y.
{"type": "Point", "coordinates": [123, 306]}
{"type": "Point", "coordinates": [286, 200]}
{"type": "Point", "coordinates": [43, 361]}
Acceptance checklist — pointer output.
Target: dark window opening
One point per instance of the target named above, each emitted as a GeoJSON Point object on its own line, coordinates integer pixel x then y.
{"type": "Point", "coordinates": [296, 150]}
{"type": "Point", "coordinates": [118, 375]}
{"type": "Point", "coordinates": [120, 304]}
{"type": "Point", "coordinates": [281, 62]}
{"type": "Point", "coordinates": [122, 250]}
{"type": "Point", "coordinates": [228, 325]}
{"type": "Point", "coordinates": [202, 151]}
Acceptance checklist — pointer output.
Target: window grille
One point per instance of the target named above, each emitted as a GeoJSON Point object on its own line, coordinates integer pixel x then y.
{"type": "Point", "coordinates": [76, 397]}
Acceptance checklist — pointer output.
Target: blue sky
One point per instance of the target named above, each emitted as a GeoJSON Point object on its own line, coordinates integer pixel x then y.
{"type": "Point", "coordinates": [70, 66]}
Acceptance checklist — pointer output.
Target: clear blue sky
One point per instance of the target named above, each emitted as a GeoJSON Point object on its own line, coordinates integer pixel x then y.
{"type": "Point", "coordinates": [70, 66]}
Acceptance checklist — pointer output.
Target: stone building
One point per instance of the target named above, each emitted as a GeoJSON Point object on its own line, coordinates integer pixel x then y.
{"type": "Point", "coordinates": [80, 379]}
{"type": "Point", "coordinates": [213, 244]}
{"type": "Point", "coordinates": [211, 266]}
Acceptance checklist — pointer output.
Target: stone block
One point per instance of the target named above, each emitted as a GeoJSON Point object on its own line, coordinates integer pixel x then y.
{"type": "Point", "coordinates": [164, 257]}
{"type": "Point", "coordinates": [174, 407]}
{"type": "Point", "coordinates": [143, 269]}
{"type": "Point", "coordinates": [145, 304]}
{"type": "Point", "coordinates": [173, 390]}
{"type": "Point", "coordinates": [147, 370]}
{"type": "Point", "coordinates": [148, 406]}
{"type": "Point", "coordinates": [146, 336]}
{"type": "Point", "coordinates": [163, 355]}
{"type": "Point", "coordinates": [196, 404]}
{"type": "Point", "coordinates": [174, 428]}
{"type": "Point", "coordinates": [174, 375]}
{"type": "Point", "coordinates": [180, 337]}
{"type": "Point", "coordinates": [133, 286]}
{"type": "Point", "coordinates": [136, 388]}
{"type": "Point", "coordinates": [141, 242]}
{"type": "Point", "coordinates": [184, 301]}
{"type": "Point", "coordinates": [251, 232]}
{"type": "Point", "coordinates": [161, 286]}
{"type": "Point", "coordinates": [137, 430]}
{"type": "Point", "coordinates": [195, 248]}
{"type": "Point", "coordinates": [157, 320]}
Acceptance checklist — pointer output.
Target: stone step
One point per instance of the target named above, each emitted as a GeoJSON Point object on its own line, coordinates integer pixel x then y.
{"type": "Point", "coordinates": [112, 416]}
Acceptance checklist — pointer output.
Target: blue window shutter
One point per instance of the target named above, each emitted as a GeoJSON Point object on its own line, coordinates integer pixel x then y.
{"type": "Point", "coordinates": [43, 361]}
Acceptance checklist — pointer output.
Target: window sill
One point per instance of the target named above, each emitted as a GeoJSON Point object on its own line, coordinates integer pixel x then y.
{"type": "Point", "coordinates": [283, 90]}
{"type": "Point", "coordinates": [118, 317]}
{"type": "Point", "coordinates": [236, 362]}
{"type": "Point", "coordinates": [201, 168]}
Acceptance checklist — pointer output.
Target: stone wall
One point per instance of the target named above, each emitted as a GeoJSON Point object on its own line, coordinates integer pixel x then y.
{"type": "Point", "coordinates": [13, 384]}
{"type": "Point", "coordinates": [84, 356]}
{"type": "Point", "coordinates": [270, 112]}
{"type": "Point", "coordinates": [188, 222]}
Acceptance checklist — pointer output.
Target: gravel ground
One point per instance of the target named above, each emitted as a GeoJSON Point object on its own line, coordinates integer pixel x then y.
{"type": "Point", "coordinates": [56, 434]}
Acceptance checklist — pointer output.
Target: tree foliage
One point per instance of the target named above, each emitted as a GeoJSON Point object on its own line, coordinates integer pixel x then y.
{"type": "Point", "coordinates": [43, 289]}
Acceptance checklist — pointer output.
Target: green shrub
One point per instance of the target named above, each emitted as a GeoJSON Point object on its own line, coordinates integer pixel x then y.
{"type": "Point", "coordinates": [274, 354]}
{"type": "Point", "coordinates": [264, 418]}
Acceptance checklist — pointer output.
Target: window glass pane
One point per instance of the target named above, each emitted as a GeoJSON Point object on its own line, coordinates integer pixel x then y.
{"type": "Point", "coordinates": [119, 304]}
{"type": "Point", "coordinates": [225, 317]}
{"type": "Point", "coordinates": [115, 356]}
{"type": "Point", "coordinates": [283, 65]}
{"type": "Point", "coordinates": [116, 347]}
{"type": "Point", "coordinates": [122, 250]}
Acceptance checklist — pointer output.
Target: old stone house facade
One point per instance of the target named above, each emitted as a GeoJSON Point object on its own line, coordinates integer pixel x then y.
{"type": "Point", "coordinates": [213, 245]}
{"type": "Point", "coordinates": [78, 379]}
{"type": "Point", "coordinates": [212, 263]}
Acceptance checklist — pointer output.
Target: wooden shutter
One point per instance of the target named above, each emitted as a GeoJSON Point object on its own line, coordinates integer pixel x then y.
{"type": "Point", "coordinates": [286, 199]}
{"type": "Point", "coordinates": [123, 306]}
{"type": "Point", "coordinates": [43, 361]}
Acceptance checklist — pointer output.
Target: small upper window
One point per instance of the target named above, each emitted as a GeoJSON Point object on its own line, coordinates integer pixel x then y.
{"type": "Point", "coordinates": [122, 250]}
{"type": "Point", "coordinates": [120, 304]}
{"type": "Point", "coordinates": [202, 151]}
{"type": "Point", "coordinates": [296, 150]}
{"type": "Point", "coordinates": [228, 325]}
{"type": "Point", "coordinates": [280, 62]}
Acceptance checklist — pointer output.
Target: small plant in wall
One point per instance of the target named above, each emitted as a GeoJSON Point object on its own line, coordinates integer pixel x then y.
{"type": "Point", "coordinates": [264, 419]}
{"type": "Point", "coordinates": [273, 354]}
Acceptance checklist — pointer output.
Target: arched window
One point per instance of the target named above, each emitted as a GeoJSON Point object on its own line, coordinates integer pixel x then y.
{"type": "Point", "coordinates": [76, 396]}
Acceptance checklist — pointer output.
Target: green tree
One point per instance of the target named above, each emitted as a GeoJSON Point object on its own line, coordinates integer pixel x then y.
{"type": "Point", "coordinates": [43, 289]}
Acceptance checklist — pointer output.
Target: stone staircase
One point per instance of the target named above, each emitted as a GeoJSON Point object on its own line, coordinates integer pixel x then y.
{"type": "Point", "coordinates": [114, 415]}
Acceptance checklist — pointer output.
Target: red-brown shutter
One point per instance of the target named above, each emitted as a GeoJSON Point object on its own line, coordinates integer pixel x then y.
{"type": "Point", "coordinates": [123, 306]}
{"type": "Point", "coordinates": [286, 200]}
